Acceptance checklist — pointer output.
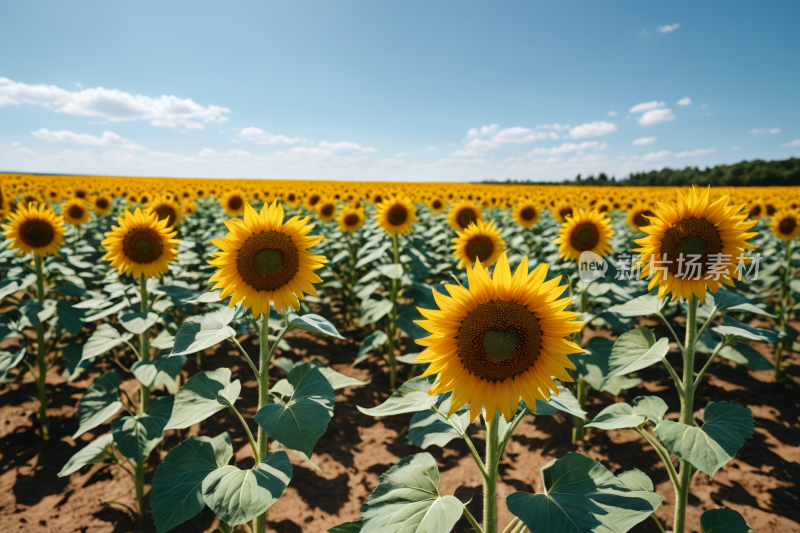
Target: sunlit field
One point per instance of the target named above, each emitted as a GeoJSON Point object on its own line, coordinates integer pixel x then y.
{"type": "Point", "coordinates": [256, 355]}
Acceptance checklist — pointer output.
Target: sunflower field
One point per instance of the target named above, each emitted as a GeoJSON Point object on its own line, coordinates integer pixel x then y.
{"type": "Point", "coordinates": [254, 355]}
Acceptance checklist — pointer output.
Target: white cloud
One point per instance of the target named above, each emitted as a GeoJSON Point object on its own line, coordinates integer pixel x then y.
{"type": "Point", "coordinates": [638, 108]}
{"type": "Point", "coordinates": [345, 146]}
{"type": "Point", "coordinates": [486, 138]}
{"type": "Point", "coordinates": [685, 101]}
{"type": "Point", "coordinates": [656, 116]}
{"type": "Point", "coordinates": [78, 85]}
{"type": "Point", "coordinates": [109, 138]}
{"type": "Point", "coordinates": [260, 136]}
{"type": "Point", "coordinates": [569, 147]}
{"type": "Point", "coordinates": [612, 113]}
{"type": "Point", "coordinates": [592, 129]}
{"type": "Point", "coordinates": [654, 156]}
{"type": "Point", "coordinates": [772, 131]}
{"type": "Point", "coordinates": [644, 140]}
{"type": "Point", "coordinates": [668, 28]}
{"type": "Point", "coordinates": [113, 105]}
{"type": "Point", "coordinates": [792, 144]}
{"type": "Point", "coordinates": [692, 153]}
{"type": "Point", "coordinates": [15, 143]}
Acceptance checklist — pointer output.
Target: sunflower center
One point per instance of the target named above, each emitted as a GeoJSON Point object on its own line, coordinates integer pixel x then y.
{"type": "Point", "coordinates": [437, 204]}
{"type": "Point", "coordinates": [165, 211]}
{"type": "Point", "coordinates": [101, 203]}
{"type": "Point", "coordinates": [313, 199]}
{"type": "Point", "coordinates": [585, 237]}
{"type": "Point", "coordinates": [787, 225]}
{"type": "Point", "coordinates": [465, 218]}
{"type": "Point", "coordinates": [351, 219]}
{"type": "Point", "coordinates": [528, 213]}
{"type": "Point", "coordinates": [755, 211]}
{"type": "Point", "coordinates": [499, 340]}
{"type": "Point", "coordinates": [639, 219]}
{"type": "Point", "coordinates": [690, 237]}
{"type": "Point", "coordinates": [235, 202]}
{"type": "Point", "coordinates": [480, 247]}
{"type": "Point", "coordinates": [398, 215]}
{"type": "Point", "coordinates": [142, 245]}
{"type": "Point", "coordinates": [268, 260]}
{"type": "Point", "coordinates": [37, 233]}
{"type": "Point", "coordinates": [327, 210]}
{"type": "Point", "coordinates": [75, 211]}
{"type": "Point", "coordinates": [565, 211]}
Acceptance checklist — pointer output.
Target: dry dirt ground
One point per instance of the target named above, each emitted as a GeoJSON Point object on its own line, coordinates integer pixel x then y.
{"type": "Point", "coordinates": [761, 482]}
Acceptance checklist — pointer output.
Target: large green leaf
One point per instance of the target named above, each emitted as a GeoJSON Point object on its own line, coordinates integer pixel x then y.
{"type": "Point", "coordinates": [136, 436]}
{"type": "Point", "coordinates": [70, 318]}
{"type": "Point", "coordinates": [723, 520]}
{"type": "Point", "coordinates": [616, 416]}
{"type": "Point", "coordinates": [336, 379]}
{"type": "Point", "coordinates": [592, 364]}
{"type": "Point", "coordinates": [303, 418]}
{"type": "Point", "coordinates": [99, 403]}
{"type": "Point", "coordinates": [374, 310]}
{"type": "Point", "coordinates": [581, 495]}
{"type": "Point", "coordinates": [8, 361]}
{"type": "Point", "coordinates": [563, 401]}
{"type": "Point", "coordinates": [200, 332]}
{"type": "Point", "coordinates": [727, 300]}
{"type": "Point", "coordinates": [635, 350]}
{"type": "Point", "coordinates": [735, 332]}
{"type": "Point", "coordinates": [147, 371]}
{"type": "Point", "coordinates": [137, 321]}
{"type": "Point", "coordinates": [104, 338]}
{"type": "Point", "coordinates": [636, 480]}
{"type": "Point", "coordinates": [410, 397]}
{"type": "Point", "coordinates": [203, 395]}
{"type": "Point", "coordinates": [237, 496]}
{"type": "Point", "coordinates": [11, 285]}
{"type": "Point", "coordinates": [645, 305]}
{"type": "Point", "coordinates": [407, 500]}
{"type": "Point", "coordinates": [372, 341]}
{"type": "Point", "coordinates": [745, 355]}
{"type": "Point", "coordinates": [177, 493]}
{"type": "Point", "coordinates": [349, 527]}
{"type": "Point", "coordinates": [428, 428]}
{"type": "Point", "coordinates": [708, 448]}
{"type": "Point", "coordinates": [94, 452]}
{"type": "Point", "coordinates": [315, 323]}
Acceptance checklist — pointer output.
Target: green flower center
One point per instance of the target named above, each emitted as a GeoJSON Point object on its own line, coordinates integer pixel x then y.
{"type": "Point", "coordinates": [143, 246]}
{"type": "Point", "coordinates": [692, 245]}
{"type": "Point", "coordinates": [500, 345]}
{"type": "Point", "coordinates": [268, 262]}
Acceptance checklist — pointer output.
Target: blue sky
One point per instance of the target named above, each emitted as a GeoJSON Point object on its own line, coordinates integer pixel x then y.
{"type": "Point", "coordinates": [395, 91]}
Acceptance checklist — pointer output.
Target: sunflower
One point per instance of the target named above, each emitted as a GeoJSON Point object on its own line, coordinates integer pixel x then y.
{"type": "Point", "coordinates": [291, 199]}
{"type": "Point", "coordinates": [462, 214]}
{"type": "Point", "coordinates": [166, 209]}
{"type": "Point", "coordinates": [350, 218]}
{"type": "Point", "coordinates": [585, 231]}
{"type": "Point", "coordinates": [101, 204]}
{"type": "Point", "coordinates": [479, 242]}
{"type": "Point", "coordinates": [76, 211]}
{"type": "Point", "coordinates": [189, 207]}
{"type": "Point", "coordinates": [35, 228]}
{"type": "Point", "coordinates": [80, 192]}
{"type": "Point", "coordinates": [756, 210]}
{"type": "Point", "coordinates": [326, 210]}
{"type": "Point", "coordinates": [785, 224]}
{"type": "Point", "coordinates": [637, 216]}
{"type": "Point", "coordinates": [436, 205]}
{"type": "Point", "coordinates": [396, 214]}
{"type": "Point", "coordinates": [233, 202]}
{"type": "Point", "coordinates": [561, 210]}
{"type": "Point", "coordinates": [526, 213]}
{"type": "Point", "coordinates": [264, 259]}
{"type": "Point", "coordinates": [312, 199]}
{"type": "Point", "coordinates": [714, 233]}
{"type": "Point", "coordinates": [141, 244]}
{"type": "Point", "coordinates": [499, 340]}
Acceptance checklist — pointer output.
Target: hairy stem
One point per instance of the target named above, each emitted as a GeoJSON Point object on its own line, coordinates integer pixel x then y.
{"type": "Point", "coordinates": [144, 346]}
{"type": "Point", "coordinates": [41, 353]}
{"type": "Point", "coordinates": [490, 482]}
{"type": "Point", "coordinates": [580, 383]}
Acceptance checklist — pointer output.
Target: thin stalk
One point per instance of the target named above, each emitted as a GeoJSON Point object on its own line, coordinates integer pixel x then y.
{"type": "Point", "coordinates": [580, 383]}
{"type": "Point", "coordinates": [470, 445]}
{"type": "Point", "coordinates": [138, 478]}
{"type": "Point", "coordinates": [654, 517]}
{"type": "Point", "coordinates": [41, 353]}
{"type": "Point", "coordinates": [511, 429]}
{"type": "Point", "coordinates": [392, 326]}
{"type": "Point", "coordinates": [708, 322]}
{"type": "Point", "coordinates": [674, 335]}
{"type": "Point", "coordinates": [687, 412]}
{"type": "Point", "coordinates": [783, 315]}
{"type": "Point", "coordinates": [490, 482]}
{"type": "Point", "coordinates": [471, 519]}
{"type": "Point", "coordinates": [247, 357]}
{"type": "Point", "coordinates": [700, 374]}
{"type": "Point", "coordinates": [663, 454]}
{"type": "Point", "coordinates": [249, 435]}
{"type": "Point", "coordinates": [144, 346]}
{"type": "Point", "coordinates": [512, 525]}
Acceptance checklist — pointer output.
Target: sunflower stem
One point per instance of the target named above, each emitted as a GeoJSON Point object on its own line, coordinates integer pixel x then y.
{"type": "Point", "coordinates": [580, 383]}
{"type": "Point", "coordinates": [41, 353]}
{"type": "Point", "coordinates": [144, 346]}
{"type": "Point", "coordinates": [490, 482]}
{"type": "Point", "coordinates": [138, 479]}
{"type": "Point", "coordinates": [392, 326]}
{"type": "Point", "coordinates": [471, 519]}
{"type": "Point", "coordinates": [784, 312]}
{"type": "Point", "coordinates": [687, 412]}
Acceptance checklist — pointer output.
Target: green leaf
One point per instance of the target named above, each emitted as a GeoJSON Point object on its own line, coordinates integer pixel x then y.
{"type": "Point", "coordinates": [9, 286]}
{"type": "Point", "coordinates": [73, 365]}
{"type": "Point", "coordinates": [652, 407]}
{"type": "Point", "coordinates": [727, 300]}
{"type": "Point", "coordinates": [563, 401]}
{"type": "Point", "coordinates": [372, 341]}
{"type": "Point", "coordinates": [300, 422]}
{"type": "Point", "coordinates": [349, 527]}
{"type": "Point", "coordinates": [137, 322]}
{"type": "Point", "coordinates": [391, 271]}
{"type": "Point", "coordinates": [616, 416]}
{"type": "Point", "coordinates": [637, 480]}
{"type": "Point", "coordinates": [203, 395]}
{"type": "Point", "coordinates": [635, 350]}
{"type": "Point", "coordinates": [374, 311]}
{"type": "Point", "coordinates": [94, 452]}
{"type": "Point", "coordinates": [37, 313]}
{"type": "Point", "coordinates": [163, 341]}
{"type": "Point", "coordinates": [177, 493]}
{"type": "Point", "coordinates": [8, 361]}
{"type": "Point", "coordinates": [581, 495]}
{"type": "Point", "coordinates": [410, 397]}
{"type": "Point", "coordinates": [745, 355]}
{"type": "Point", "coordinates": [237, 496]}
{"type": "Point", "coordinates": [136, 436]}
{"type": "Point", "coordinates": [428, 428]}
{"type": "Point", "coordinates": [410, 359]}
{"type": "Point", "coordinates": [200, 332]}
{"type": "Point", "coordinates": [723, 520]}
{"type": "Point", "coordinates": [99, 403]}
{"type": "Point", "coordinates": [337, 380]}
{"type": "Point", "coordinates": [104, 338]}
{"type": "Point", "coordinates": [107, 311]}
{"type": "Point", "coordinates": [708, 448]}
{"type": "Point", "coordinates": [736, 332]}
{"type": "Point", "coordinates": [376, 254]}
{"type": "Point", "coordinates": [645, 305]}
{"type": "Point", "coordinates": [407, 500]}
{"type": "Point", "coordinates": [315, 323]}
{"type": "Point", "coordinates": [147, 371]}
{"type": "Point", "coordinates": [69, 317]}
{"type": "Point", "coordinates": [593, 366]}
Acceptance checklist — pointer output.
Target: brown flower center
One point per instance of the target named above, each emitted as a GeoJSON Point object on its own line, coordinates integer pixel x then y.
{"type": "Point", "coordinates": [167, 211]}
{"type": "Point", "coordinates": [499, 340]}
{"type": "Point", "coordinates": [787, 225]}
{"type": "Point", "coordinates": [351, 220]}
{"type": "Point", "coordinates": [101, 203]}
{"type": "Point", "coordinates": [755, 211]}
{"type": "Point", "coordinates": [327, 210]}
{"type": "Point", "coordinates": [466, 217]}
{"type": "Point", "coordinates": [639, 219]}
{"type": "Point", "coordinates": [585, 236]}
{"type": "Point", "coordinates": [480, 247]}
{"type": "Point", "coordinates": [142, 245]}
{"type": "Point", "coordinates": [398, 214]}
{"type": "Point", "coordinates": [235, 202]}
{"type": "Point", "coordinates": [528, 213]}
{"type": "Point", "coordinates": [37, 233]}
{"type": "Point", "coordinates": [313, 199]}
{"type": "Point", "coordinates": [565, 212]}
{"type": "Point", "coordinates": [436, 204]}
{"type": "Point", "coordinates": [268, 260]}
{"type": "Point", "coordinates": [690, 237]}
{"type": "Point", "coordinates": [75, 211]}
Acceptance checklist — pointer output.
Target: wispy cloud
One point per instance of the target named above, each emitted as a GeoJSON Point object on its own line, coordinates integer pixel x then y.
{"type": "Point", "coordinates": [685, 101]}
{"type": "Point", "coordinates": [612, 113]}
{"type": "Point", "coordinates": [638, 108]}
{"type": "Point", "coordinates": [693, 153]}
{"type": "Point", "coordinates": [108, 139]}
{"type": "Point", "coordinates": [668, 28]}
{"type": "Point", "coordinates": [260, 136]}
{"type": "Point", "coordinates": [644, 140]}
{"type": "Point", "coordinates": [656, 116]}
{"type": "Point", "coordinates": [792, 144]}
{"type": "Point", "coordinates": [569, 147]}
{"type": "Point", "coordinates": [592, 129]}
{"type": "Point", "coordinates": [772, 131]}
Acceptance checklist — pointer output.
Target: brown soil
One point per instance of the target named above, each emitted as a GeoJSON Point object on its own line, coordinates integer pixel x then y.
{"type": "Point", "coordinates": [761, 482]}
